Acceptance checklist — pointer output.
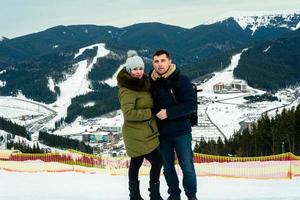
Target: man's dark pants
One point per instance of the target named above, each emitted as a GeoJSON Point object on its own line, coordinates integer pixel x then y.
{"type": "Point", "coordinates": [182, 146]}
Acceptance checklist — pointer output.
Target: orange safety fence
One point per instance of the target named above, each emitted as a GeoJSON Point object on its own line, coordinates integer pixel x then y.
{"type": "Point", "coordinates": [205, 158]}
{"type": "Point", "coordinates": [285, 165]}
{"type": "Point", "coordinates": [71, 158]}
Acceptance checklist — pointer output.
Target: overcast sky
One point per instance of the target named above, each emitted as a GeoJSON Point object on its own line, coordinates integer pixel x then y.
{"type": "Point", "coordinates": [21, 17]}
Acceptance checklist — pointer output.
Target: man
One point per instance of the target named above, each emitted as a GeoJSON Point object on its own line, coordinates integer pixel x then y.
{"type": "Point", "coordinates": [174, 101]}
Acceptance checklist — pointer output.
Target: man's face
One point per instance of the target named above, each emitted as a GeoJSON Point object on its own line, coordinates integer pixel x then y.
{"type": "Point", "coordinates": [161, 63]}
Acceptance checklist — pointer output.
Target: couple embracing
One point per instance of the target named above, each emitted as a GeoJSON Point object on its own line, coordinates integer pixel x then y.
{"type": "Point", "coordinates": [157, 127]}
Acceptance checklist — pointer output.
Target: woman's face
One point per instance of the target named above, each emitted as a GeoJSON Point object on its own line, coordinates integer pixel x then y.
{"type": "Point", "coordinates": [137, 72]}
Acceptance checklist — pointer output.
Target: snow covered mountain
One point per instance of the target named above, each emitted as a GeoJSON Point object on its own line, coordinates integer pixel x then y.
{"type": "Point", "coordinates": [269, 25]}
{"type": "Point", "coordinates": [3, 38]}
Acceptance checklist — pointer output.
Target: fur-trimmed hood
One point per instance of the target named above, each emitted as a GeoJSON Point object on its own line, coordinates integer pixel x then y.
{"type": "Point", "coordinates": [125, 80]}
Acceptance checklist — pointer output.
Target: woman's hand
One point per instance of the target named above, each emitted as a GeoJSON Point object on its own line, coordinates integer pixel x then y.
{"type": "Point", "coordinates": [162, 114]}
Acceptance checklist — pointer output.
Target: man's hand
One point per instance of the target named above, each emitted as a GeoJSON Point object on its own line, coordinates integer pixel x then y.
{"type": "Point", "coordinates": [162, 114]}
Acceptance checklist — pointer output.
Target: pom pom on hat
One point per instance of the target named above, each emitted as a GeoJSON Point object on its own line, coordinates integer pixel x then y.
{"type": "Point", "coordinates": [133, 61]}
{"type": "Point", "coordinates": [131, 53]}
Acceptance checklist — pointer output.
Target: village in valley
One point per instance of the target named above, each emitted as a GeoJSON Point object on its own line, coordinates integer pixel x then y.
{"type": "Point", "coordinates": [222, 110]}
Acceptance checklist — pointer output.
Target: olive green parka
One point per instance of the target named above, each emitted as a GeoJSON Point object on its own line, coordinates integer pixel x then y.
{"type": "Point", "coordinates": [140, 133]}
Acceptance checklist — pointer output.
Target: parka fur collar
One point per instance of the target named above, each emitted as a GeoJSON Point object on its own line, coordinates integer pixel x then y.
{"type": "Point", "coordinates": [169, 72]}
{"type": "Point", "coordinates": [125, 80]}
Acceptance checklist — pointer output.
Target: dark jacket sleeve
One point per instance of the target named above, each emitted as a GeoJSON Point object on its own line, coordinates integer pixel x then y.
{"type": "Point", "coordinates": [187, 103]}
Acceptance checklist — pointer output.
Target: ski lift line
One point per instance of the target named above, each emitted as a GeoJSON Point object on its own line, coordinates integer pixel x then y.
{"type": "Point", "coordinates": [19, 108]}
{"type": "Point", "coordinates": [32, 102]}
{"type": "Point", "coordinates": [244, 95]}
{"type": "Point", "coordinates": [210, 128]}
{"type": "Point", "coordinates": [221, 100]}
{"type": "Point", "coordinates": [215, 125]}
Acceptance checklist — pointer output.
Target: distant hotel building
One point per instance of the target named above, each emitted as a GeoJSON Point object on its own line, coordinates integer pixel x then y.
{"type": "Point", "coordinates": [239, 85]}
{"type": "Point", "coordinates": [233, 87]}
{"type": "Point", "coordinates": [218, 87]}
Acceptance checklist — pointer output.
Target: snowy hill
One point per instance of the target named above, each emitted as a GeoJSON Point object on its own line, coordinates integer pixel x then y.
{"type": "Point", "coordinates": [18, 139]}
{"type": "Point", "coordinates": [3, 38]}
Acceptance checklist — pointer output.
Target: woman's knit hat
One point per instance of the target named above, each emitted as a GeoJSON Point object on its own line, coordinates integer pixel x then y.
{"type": "Point", "coordinates": [133, 61]}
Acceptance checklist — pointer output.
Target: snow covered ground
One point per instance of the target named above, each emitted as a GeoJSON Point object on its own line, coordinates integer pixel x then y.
{"type": "Point", "coordinates": [78, 186]}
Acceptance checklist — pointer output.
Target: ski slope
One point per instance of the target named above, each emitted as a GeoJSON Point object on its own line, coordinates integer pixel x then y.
{"type": "Point", "coordinates": [76, 84]}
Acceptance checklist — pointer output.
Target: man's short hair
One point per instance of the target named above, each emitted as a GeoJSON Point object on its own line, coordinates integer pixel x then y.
{"type": "Point", "coordinates": [161, 52]}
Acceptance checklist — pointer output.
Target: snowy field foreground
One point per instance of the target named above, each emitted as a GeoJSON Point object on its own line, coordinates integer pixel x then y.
{"type": "Point", "coordinates": [79, 186]}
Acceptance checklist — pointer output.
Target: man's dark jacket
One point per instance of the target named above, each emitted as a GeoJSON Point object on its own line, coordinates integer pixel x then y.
{"type": "Point", "coordinates": [178, 109]}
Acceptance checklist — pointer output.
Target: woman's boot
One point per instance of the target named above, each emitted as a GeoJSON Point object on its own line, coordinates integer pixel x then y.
{"type": "Point", "coordinates": [134, 190]}
{"type": "Point", "coordinates": [154, 191]}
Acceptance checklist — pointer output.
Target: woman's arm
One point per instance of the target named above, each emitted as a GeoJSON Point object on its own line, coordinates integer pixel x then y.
{"type": "Point", "coordinates": [127, 101]}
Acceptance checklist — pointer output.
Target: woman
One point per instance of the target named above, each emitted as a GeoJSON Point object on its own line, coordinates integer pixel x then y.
{"type": "Point", "coordinates": [140, 132]}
